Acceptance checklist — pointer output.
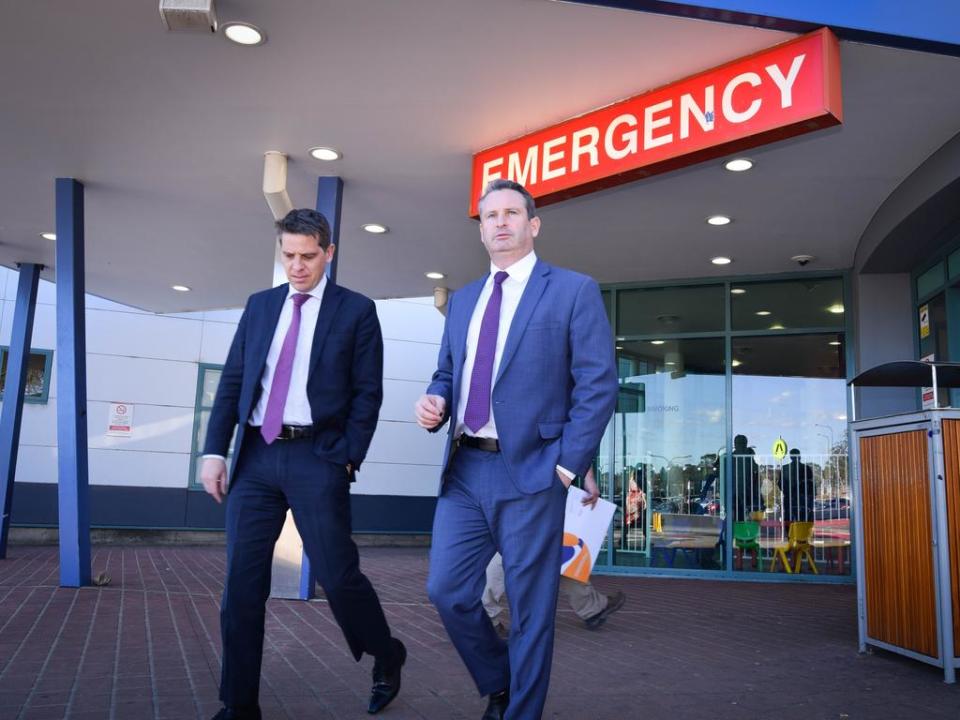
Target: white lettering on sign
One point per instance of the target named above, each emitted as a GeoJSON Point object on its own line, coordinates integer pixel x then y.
{"type": "Point", "coordinates": [786, 83]}
{"type": "Point", "coordinates": [615, 153]}
{"type": "Point", "coordinates": [550, 157]}
{"type": "Point", "coordinates": [726, 102]}
{"type": "Point", "coordinates": [650, 124]}
{"type": "Point", "coordinates": [663, 123]}
{"type": "Point", "coordinates": [589, 149]}
{"type": "Point", "coordinates": [704, 116]}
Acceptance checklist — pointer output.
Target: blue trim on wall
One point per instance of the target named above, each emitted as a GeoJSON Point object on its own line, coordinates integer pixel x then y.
{"type": "Point", "coordinates": [926, 25]}
{"type": "Point", "coordinates": [111, 506]}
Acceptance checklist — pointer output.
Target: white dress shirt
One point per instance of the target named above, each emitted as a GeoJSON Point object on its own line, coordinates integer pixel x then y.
{"type": "Point", "coordinates": [513, 287]}
{"type": "Point", "coordinates": [297, 409]}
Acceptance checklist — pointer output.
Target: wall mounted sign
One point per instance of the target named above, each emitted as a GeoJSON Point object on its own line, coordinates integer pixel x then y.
{"type": "Point", "coordinates": [120, 420]}
{"type": "Point", "coordinates": [788, 90]}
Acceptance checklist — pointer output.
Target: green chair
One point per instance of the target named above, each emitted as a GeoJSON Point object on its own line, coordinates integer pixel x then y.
{"type": "Point", "coordinates": [746, 537]}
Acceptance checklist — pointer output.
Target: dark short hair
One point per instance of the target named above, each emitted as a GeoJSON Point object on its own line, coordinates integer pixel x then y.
{"type": "Point", "coordinates": [305, 221]}
{"type": "Point", "coordinates": [504, 184]}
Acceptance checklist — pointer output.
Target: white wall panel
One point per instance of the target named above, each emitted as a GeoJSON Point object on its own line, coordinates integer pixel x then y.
{"type": "Point", "coordinates": [139, 469]}
{"type": "Point", "coordinates": [215, 345]}
{"type": "Point", "coordinates": [156, 428]}
{"type": "Point", "coordinates": [402, 320]}
{"type": "Point", "coordinates": [39, 426]}
{"type": "Point", "coordinates": [406, 442]}
{"type": "Point", "coordinates": [44, 326]}
{"type": "Point", "coordinates": [393, 479]}
{"type": "Point", "coordinates": [399, 397]}
{"type": "Point", "coordinates": [141, 381]}
{"type": "Point", "coordinates": [409, 360]}
{"type": "Point", "coordinates": [37, 464]}
{"type": "Point", "coordinates": [230, 315]}
{"type": "Point", "coordinates": [145, 336]}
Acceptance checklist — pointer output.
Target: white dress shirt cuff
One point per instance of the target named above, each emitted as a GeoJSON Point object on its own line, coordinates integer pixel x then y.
{"type": "Point", "coordinates": [219, 457]}
{"type": "Point", "coordinates": [566, 473]}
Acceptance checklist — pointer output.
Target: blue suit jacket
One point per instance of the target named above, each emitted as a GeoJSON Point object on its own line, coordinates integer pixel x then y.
{"type": "Point", "coordinates": [556, 387]}
{"type": "Point", "coordinates": [344, 387]}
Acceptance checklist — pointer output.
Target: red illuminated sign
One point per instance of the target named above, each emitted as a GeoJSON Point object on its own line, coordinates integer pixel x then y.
{"type": "Point", "coordinates": [788, 90]}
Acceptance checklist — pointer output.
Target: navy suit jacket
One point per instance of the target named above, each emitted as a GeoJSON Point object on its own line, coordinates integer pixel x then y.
{"type": "Point", "coordinates": [344, 385]}
{"type": "Point", "coordinates": [556, 387]}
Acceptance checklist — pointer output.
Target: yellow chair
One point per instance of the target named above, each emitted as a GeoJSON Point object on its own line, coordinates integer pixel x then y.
{"type": "Point", "coordinates": [798, 543]}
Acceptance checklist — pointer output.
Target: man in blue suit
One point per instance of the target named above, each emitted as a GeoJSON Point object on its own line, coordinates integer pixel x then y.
{"type": "Point", "coordinates": [527, 378]}
{"type": "Point", "coordinates": [303, 384]}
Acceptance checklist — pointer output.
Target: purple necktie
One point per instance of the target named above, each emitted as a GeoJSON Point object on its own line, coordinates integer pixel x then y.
{"type": "Point", "coordinates": [273, 417]}
{"type": "Point", "coordinates": [478, 401]}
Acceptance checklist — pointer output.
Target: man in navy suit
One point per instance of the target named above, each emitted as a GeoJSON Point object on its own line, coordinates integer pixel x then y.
{"type": "Point", "coordinates": [303, 384]}
{"type": "Point", "coordinates": [527, 378]}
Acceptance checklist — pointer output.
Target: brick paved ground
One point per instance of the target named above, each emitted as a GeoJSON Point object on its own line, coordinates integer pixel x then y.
{"type": "Point", "coordinates": [147, 646]}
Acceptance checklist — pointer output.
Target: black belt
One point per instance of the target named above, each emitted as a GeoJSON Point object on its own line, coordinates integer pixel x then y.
{"type": "Point", "coordinates": [480, 443]}
{"type": "Point", "coordinates": [294, 432]}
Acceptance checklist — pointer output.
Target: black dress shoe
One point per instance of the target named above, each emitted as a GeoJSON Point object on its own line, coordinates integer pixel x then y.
{"type": "Point", "coordinates": [232, 713]}
{"type": "Point", "coordinates": [497, 706]}
{"type": "Point", "coordinates": [386, 678]}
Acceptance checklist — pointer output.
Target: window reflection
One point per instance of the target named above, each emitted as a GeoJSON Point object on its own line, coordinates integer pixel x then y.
{"type": "Point", "coordinates": [668, 433]}
{"type": "Point", "coordinates": [790, 454]}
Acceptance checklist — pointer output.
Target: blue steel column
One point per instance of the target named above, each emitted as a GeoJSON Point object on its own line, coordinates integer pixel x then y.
{"type": "Point", "coordinates": [329, 202]}
{"type": "Point", "coordinates": [72, 388]}
{"type": "Point", "coordinates": [14, 388]}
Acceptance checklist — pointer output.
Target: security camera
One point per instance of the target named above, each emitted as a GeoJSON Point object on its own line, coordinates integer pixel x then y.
{"type": "Point", "coordinates": [802, 260]}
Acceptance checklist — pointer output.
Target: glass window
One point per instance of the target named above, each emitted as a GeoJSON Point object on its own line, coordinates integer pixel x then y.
{"type": "Point", "coordinates": [934, 343]}
{"type": "Point", "coordinates": [39, 367]}
{"type": "Point", "coordinates": [789, 463]}
{"type": "Point", "coordinates": [666, 437]}
{"type": "Point", "coordinates": [208, 379]}
{"type": "Point", "coordinates": [953, 265]}
{"type": "Point", "coordinates": [663, 311]}
{"type": "Point", "coordinates": [785, 305]}
{"type": "Point", "coordinates": [930, 281]}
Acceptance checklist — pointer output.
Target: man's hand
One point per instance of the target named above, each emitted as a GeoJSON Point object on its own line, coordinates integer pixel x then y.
{"type": "Point", "coordinates": [213, 475]}
{"type": "Point", "coordinates": [590, 487]}
{"type": "Point", "coordinates": [429, 411]}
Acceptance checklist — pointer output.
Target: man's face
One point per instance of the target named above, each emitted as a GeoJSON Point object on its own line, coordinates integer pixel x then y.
{"type": "Point", "coordinates": [505, 230]}
{"type": "Point", "coordinates": [304, 260]}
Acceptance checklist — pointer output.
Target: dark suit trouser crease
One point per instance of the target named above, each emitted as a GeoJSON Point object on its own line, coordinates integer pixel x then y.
{"type": "Point", "coordinates": [271, 479]}
{"type": "Point", "coordinates": [479, 512]}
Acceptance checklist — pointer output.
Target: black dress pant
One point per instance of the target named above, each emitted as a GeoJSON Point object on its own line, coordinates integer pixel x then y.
{"type": "Point", "coordinates": [271, 479]}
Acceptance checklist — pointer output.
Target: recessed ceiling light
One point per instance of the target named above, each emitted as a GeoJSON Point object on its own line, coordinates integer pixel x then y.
{"type": "Point", "coordinates": [180, 288]}
{"type": "Point", "coordinates": [736, 363]}
{"type": "Point", "coordinates": [619, 347]}
{"type": "Point", "coordinates": [841, 417]}
{"type": "Point", "coordinates": [435, 275]}
{"type": "Point", "coordinates": [836, 342]}
{"type": "Point", "coordinates": [721, 260]}
{"type": "Point", "coordinates": [778, 326]}
{"type": "Point", "coordinates": [48, 236]}
{"type": "Point", "coordinates": [375, 228]}
{"type": "Point", "coordinates": [718, 220]}
{"type": "Point", "coordinates": [669, 362]}
{"type": "Point", "coordinates": [657, 342]}
{"type": "Point", "coordinates": [763, 313]}
{"type": "Point", "coordinates": [738, 165]}
{"type": "Point", "coordinates": [324, 153]}
{"type": "Point", "coordinates": [836, 309]}
{"type": "Point", "coordinates": [244, 33]}
{"type": "Point", "coordinates": [737, 291]}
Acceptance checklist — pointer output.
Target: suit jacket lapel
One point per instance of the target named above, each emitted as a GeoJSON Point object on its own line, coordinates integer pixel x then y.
{"type": "Point", "coordinates": [528, 302]}
{"type": "Point", "coordinates": [263, 335]}
{"type": "Point", "coordinates": [332, 296]}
